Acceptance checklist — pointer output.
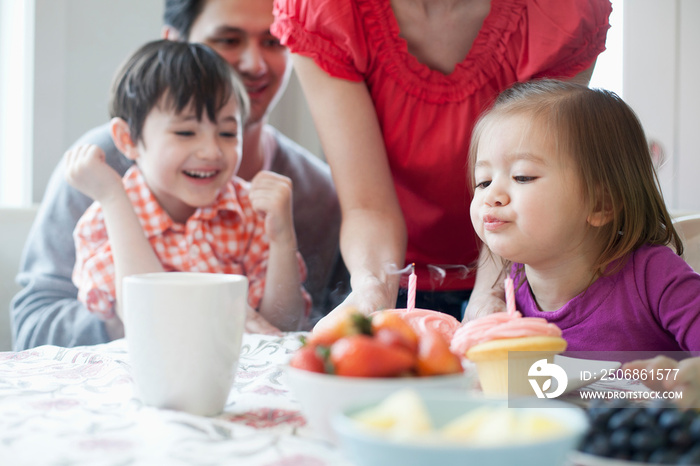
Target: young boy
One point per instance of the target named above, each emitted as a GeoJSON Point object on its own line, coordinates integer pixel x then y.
{"type": "Point", "coordinates": [178, 111]}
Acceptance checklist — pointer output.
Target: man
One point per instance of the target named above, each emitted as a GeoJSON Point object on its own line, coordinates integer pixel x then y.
{"type": "Point", "coordinates": [47, 311]}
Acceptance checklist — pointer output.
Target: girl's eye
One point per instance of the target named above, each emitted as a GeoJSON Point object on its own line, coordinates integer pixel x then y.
{"type": "Point", "coordinates": [524, 179]}
{"type": "Point", "coordinates": [184, 133]}
{"type": "Point", "coordinates": [483, 184]}
{"type": "Point", "coordinates": [228, 134]}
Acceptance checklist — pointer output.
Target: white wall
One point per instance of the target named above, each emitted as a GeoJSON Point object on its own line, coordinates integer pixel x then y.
{"type": "Point", "coordinates": [78, 46]}
{"type": "Point", "coordinates": [661, 66]}
{"type": "Point", "coordinates": [16, 97]}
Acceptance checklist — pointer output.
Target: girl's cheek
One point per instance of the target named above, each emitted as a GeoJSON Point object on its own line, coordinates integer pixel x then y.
{"type": "Point", "coordinates": [473, 212]}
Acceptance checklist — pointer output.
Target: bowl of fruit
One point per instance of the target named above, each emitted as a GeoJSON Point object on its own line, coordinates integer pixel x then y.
{"type": "Point", "coordinates": [459, 428]}
{"type": "Point", "coordinates": [368, 357]}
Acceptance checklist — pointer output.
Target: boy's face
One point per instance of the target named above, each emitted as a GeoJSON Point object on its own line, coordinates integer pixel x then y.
{"type": "Point", "coordinates": [528, 205]}
{"type": "Point", "coordinates": [186, 162]}
{"type": "Point", "coordinates": [239, 30]}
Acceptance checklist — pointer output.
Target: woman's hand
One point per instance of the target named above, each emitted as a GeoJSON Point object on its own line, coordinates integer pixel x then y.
{"type": "Point", "coordinates": [87, 171]}
{"type": "Point", "coordinates": [368, 295]}
{"type": "Point", "coordinates": [484, 303]}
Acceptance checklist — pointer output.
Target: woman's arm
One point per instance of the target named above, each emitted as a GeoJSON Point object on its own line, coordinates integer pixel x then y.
{"type": "Point", "coordinates": [488, 295]}
{"type": "Point", "coordinates": [584, 77]}
{"type": "Point", "coordinates": [373, 232]}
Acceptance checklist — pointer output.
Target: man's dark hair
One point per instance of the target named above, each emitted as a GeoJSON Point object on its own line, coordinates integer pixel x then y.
{"type": "Point", "coordinates": [185, 73]}
{"type": "Point", "coordinates": [180, 14]}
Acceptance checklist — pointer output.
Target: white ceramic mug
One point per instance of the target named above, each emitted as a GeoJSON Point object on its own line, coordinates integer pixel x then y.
{"type": "Point", "coordinates": [184, 333]}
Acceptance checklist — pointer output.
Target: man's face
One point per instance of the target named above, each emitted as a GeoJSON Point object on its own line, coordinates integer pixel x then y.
{"type": "Point", "coordinates": [239, 30]}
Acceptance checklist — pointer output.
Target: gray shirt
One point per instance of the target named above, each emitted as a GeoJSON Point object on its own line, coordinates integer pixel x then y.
{"type": "Point", "coordinates": [47, 312]}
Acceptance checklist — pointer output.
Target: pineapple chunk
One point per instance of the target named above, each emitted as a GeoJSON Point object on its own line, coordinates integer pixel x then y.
{"type": "Point", "coordinates": [492, 426]}
{"type": "Point", "coordinates": [482, 426]}
{"type": "Point", "coordinates": [537, 427]}
{"type": "Point", "coordinates": [401, 415]}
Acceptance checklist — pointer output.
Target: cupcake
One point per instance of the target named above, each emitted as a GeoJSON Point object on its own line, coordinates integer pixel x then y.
{"type": "Point", "coordinates": [506, 340]}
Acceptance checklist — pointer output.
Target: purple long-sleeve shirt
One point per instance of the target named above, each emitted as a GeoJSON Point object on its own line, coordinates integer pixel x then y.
{"type": "Point", "coordinates": [651, 304]}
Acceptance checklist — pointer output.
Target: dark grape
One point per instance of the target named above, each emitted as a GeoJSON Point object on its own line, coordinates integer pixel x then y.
{"type": "Point", "coordinates": [670, 418]}
{"type": "Point", "coordinates": [620, 439]}
{"type": "Point", "coordinates": [656, 407]}
{"type": "Point", "coordinates": [680, 437]}
{"type": "Point", "coordinates": [640, 456]}
{"type": "Point", "coordinates": [694, 429]}
{"type": "Point", "coordinates": [645, 420]}
{"type": "Point", "coordinates": [664, 456]}
{"type": "Point", "coordinates": [647, 440]}
{"type": "Point", "coordinates": [622, 418]}
{"type": "Point", "coordinates": [598, 445]}
{"type": "Point", "coordinates": [691, 457]}
{"type": "Point", "coordinates": [622, 455]}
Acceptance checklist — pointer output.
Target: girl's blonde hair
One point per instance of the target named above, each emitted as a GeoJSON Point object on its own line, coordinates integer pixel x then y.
{"type": "Point", "coordinates": [606, 141]}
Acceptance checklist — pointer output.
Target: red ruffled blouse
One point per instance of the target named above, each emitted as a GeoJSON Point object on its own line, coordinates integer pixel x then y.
{"type": "Point", "coordinates": [426, 116]}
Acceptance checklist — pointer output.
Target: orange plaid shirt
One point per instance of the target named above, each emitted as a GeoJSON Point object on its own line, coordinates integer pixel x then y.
{"type": "Point", "coordinates": [225, 237]}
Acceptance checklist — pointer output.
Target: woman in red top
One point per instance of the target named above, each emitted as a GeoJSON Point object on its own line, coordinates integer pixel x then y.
{"type": "Point", "coordinates": [394, 87]}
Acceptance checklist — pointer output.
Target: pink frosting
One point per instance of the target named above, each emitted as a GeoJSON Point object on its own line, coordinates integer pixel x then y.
{"type": "Point", "coordinates": [422, 319]}
{"type": "Point", "coordinates": [498, 326]}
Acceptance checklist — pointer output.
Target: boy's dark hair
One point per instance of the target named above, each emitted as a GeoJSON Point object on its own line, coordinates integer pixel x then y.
{"type": "Point", "coordinates": [180, 14]}
{"type": "Point", "coordinates": [187, 74]}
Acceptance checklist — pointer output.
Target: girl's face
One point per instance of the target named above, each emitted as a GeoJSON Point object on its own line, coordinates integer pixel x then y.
{"type": "Point", "coordinates": [528, 205]}
{"type": "Point", "coordinates": [186, 162]}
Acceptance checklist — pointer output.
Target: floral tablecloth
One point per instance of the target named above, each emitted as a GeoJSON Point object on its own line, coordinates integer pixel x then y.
{"type": "Point", "coordinates": [77, 406]}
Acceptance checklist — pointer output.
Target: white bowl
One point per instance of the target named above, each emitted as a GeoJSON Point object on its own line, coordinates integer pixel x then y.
{"type": "Point", "coordinates": [323, 395]}
{"type": "Point", "coordinates": [367, 448]}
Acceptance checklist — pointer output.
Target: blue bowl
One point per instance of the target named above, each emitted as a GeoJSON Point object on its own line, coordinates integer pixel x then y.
{"type": "Point", "coordinates": [367, 448]}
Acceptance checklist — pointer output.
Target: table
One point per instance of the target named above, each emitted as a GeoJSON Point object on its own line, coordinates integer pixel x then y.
{"type": "Point", "coordinates": [77, 406]}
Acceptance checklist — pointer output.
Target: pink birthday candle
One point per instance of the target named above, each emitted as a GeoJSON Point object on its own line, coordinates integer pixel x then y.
{"type": "Point", "coordinates": [510, 296]}
{"type": "Point", "coordinates": [411, 300]}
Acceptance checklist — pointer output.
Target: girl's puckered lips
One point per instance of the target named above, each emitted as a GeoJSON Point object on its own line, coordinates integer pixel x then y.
{"type": "Point", "coordinates": [492, 223]}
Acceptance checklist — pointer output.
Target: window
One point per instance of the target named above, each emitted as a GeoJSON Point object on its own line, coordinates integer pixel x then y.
{"type": "Point", "coordinates": [16, 82]}
{"type": "Point", "coordinates": [608, 68]}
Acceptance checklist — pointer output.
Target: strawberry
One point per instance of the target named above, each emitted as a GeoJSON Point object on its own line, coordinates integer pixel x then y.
{"type": "Point", "coordinates": [435, 357]}
{"type": "Point", "coordinates": [387, 320]}
{"type": "Point", "coordinates": [308, 358]}
{"type": "Point", "coordinates": [393, 337]}
{"type": "Point", "coordinates": [364, 356]}
{"type": "Point", "coordinates": [342, 323]}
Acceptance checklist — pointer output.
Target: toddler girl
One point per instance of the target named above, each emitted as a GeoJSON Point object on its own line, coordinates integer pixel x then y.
{"type": "Point", "coordinates": [567, 194]}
